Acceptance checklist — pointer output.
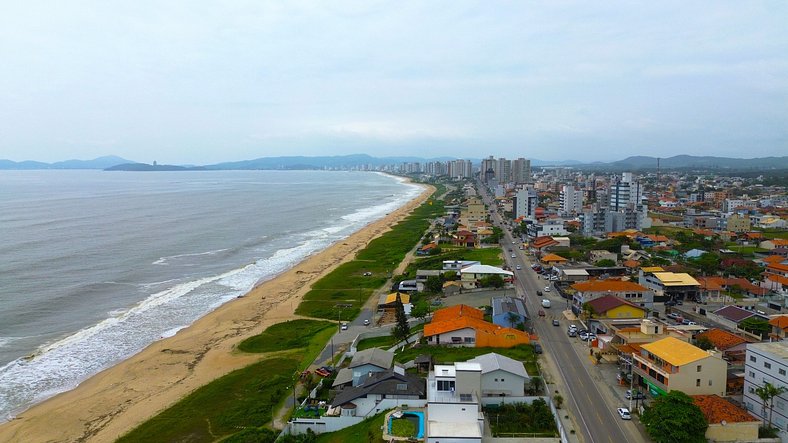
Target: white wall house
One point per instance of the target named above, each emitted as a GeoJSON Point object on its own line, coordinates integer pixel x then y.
{"type": "Point", "coordinates": [453, 407]}
{"type": "Point", "coordinates": [501, 376]}
{"type": "Point", "coordinates": [767, 363]}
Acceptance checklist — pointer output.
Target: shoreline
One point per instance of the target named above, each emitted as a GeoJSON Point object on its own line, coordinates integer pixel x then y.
{"type": "Point", "coordinates": [114, 401]}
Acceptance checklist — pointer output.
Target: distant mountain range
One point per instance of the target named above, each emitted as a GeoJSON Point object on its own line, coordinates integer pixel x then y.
{"type": "Point", "coordinates": [114, 163]}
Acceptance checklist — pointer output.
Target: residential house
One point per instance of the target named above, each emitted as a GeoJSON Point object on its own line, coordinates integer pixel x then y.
{"type": "Point", "coordinates": [728, 343]}
{"type": "Point", "coordinates": [501, 376]}
{"type": "Point", "coordinates": [626, 340]}
{"type": "Point", "coordinates": [380, 391]}
{"type": "Point", "coordinates": [362, 365]}
{"type": "Point", "coordinates": [727, 422]}
{"type": "Point", "coordinates": [773, 243]}
{"type": "Point", "coordinates": [464, 238]}
{"type": "Point", "coordinates": [456, 265]}
{"type": "Point", "coordinates": [388, 302]}
{"type": "Point", "coordinates": [714, 286]}
{"type": "Point", "coordinates": [508, 311]}
{"type": "Point", "coordinates": [767, 363]}
{"type": "Point", "coordinates": [672, 364]}
{"type": "Point", "coordinates": [542, 243]}
{"type": "Point", "coordinates": [776, 278]}
{"type": "Point", "coordinates": [552, 259]}
{"type": "Point", "coordinates": [694, 253]}
{"type": "Point", "coordinates": [462, 325]}
{"type": "Point", "coordinates": [779, 324]}
{"type": "Point", "coordinates": [601, 254]}
{"type": "Point", "coordinates": [454, 412]}
{"type": "Point", "coordinates": [471, 276]}
{"type": "Point", "coordinates": [669, 285]}
{"type": "Point", "coordinates": [626, 290]}
{"type": "Point", "coordinates": [610, 306]}
{"type": "Point", "coordinates": [730, 316]}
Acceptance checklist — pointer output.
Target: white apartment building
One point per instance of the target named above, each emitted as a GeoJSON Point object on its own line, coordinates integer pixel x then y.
{"type": "Point", "coordinates": [767, 363]}
{"type": "Point", "coordinates": [525, 203]}
{"type": "Point", "coordinates": [571, 200]}
{"type": "Point", "coordinates": [625, 193]}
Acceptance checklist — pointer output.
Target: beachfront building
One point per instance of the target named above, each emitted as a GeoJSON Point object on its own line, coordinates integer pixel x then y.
{"type": "Point", "coordinates": [501, 376]}
{"type": "Point", "coordinates": [767, 363]}
{"type": "Point", "coordinates": [363, 364]}
{"type": "Point", "coordinates": [673, 364]}
{"type": "Point", "coordinates": [454, 412]}
{"type": "Point", "coordinates": [508, 311]}
{"type": "Point", "coordinates": [472, 276]}
{"type": "Point", "coordinates": [380, 391]}
{"type": "Point", "coordinates": [462, 325]}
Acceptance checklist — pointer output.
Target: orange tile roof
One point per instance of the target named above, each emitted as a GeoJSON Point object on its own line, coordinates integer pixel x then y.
{"type": "Point", "coordinates": [721, 339]}
{"type": "Point", "coordinates": [710, 283]}
{"type": "Point", "coordinates": [456, 311]}
{"type": "Point", "coordinates": [778, 267]}
{"type": "Point", "coordinates": [754, 235]}
{"type": "Point", "coordinates": [778, 278]}
{"type": "Point", "coordinates": [552, 257]}
{"type": "Point", "coordinates": [716, 410]}
{"type": "Point", "coordinates": [779, 241]}
{"type": "Point", "coordinates": [631, 263]}
{"type": "Point", "coordinates": [543, 242]}
{"type": "Point", "coordinates": [608, 285]}
{"type": "Point", "coordinates": [657, 238]}
{"type": "Point", "coordinates": [780, 322]}
{"type": "Point", "coordinates": [703, 232]}
{"type": "Point", "coordinates": [487, 334]}
{"type": "Point", "coordinates": [774, 259]}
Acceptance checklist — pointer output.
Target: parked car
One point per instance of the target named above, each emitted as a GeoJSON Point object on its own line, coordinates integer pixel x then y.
{"type": "Point", "coordinates": [571, 332]}
{"type": "Point", "coordinates": [537, 348]}
{"type": "Point", "coordinates": [673, 315]}
{"type": "Point", "coordinates": [366, 322]}
{"type": "Point", "coordinates": [541, 313]}
{"type": "Point", "coordinates": [344, 326]}
{"type": "Point", "coordinates": [624, 413]}
{"type": "Point", "coordinates": [636, 396]}
{"type": "Point", "coordinates": [547, 289]}
{"type": "Point", "coordinates": [670, 303]}
{"type": "Point", "coordinates": [556, 323]}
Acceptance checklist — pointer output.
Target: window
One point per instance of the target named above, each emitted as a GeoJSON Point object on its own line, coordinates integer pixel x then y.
{"type": "Point", "coordinates": [709, 382]}
{"type": "Point", "coordinates": [752, 358]}
{"type": "Point", "coordinates": [781, 371]}
{"type": "Point", "coordinates": [697, 382]}
{"type": "Point", "coordinates": [456, 339]}
{"type": "Point", "coordinates": [469, 340]}
{"type": "Point", "coordinates": [402, 386]}
{"type": "Point", "coordinates": [751, 374]}
{"type": "Point", "coordinates": [445, 385]}
{"type": "Point", "coordinates": [751, 390]}
{"type": "Point", "coordinates": [502, 380]}
{"type": "Point", "coordinates": [699, 367]}
{"type": "Point", "coordinates": [767, 365]}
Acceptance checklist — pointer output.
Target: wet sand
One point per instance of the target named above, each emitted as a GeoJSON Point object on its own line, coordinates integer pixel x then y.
{"type": "Point", "coordinates": [116, 400]}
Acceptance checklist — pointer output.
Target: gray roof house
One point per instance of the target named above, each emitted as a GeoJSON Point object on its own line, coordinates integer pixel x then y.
{"type": "Point", "coordinates": [379, 386]}
{"type": "Point", "coordinates": [364, 362]}
{"type": "Point", "coordinates": [501, 376]}
{"type": "Point", "coordinates": [502, 306]}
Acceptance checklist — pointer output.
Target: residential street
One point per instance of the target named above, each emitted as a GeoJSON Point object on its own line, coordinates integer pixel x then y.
{"type": "Point", "coordinates": [594, 412]}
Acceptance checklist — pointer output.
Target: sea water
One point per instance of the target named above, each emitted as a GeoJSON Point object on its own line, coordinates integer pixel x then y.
{"type": "Point", "coordinates": [96, 265]}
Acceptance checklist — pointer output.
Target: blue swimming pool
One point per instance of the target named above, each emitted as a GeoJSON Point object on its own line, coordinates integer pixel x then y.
{"type": "Point", "coordinates": [417, 417]}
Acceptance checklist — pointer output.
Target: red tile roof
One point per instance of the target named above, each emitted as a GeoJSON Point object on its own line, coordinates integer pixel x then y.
{"type": "Point", "coordinates": [631, 263]}
{"type": "Point", "coordinates": [603, 304]}
{"type": "Point", "coordinates": [780, 322]}
{"type": "Point", "coordinates": [721, 339]}
{"type": "Point", "coordinates": [716, 409]}
{"type": "Point", "coordinates": [543, 242]}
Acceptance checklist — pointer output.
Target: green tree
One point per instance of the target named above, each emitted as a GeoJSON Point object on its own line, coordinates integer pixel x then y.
{"type": "Point", "coordinates": [421, 310]}
{"type": "Point", "coordinates": [491, 281]}
{"type": "Point", "coordinates": [434, 284]}
{"type": "Point", "coordinates": [708, 263]}
{"type": "Point", "coordinates": [401, 330]}
{"type": "Point", "coordinates": [755, 325]}
{"type": "Point", "coordinates": [704, 343]}
{"type": "Point", "coordinates": [766, 393]}
{"type": "Point", "coordinates": [512, 318]}
{"type": "Point", "coordinates": [588, 310]}
{"type": "Point", "coordinates": [606, 263]}
{"type": "Point", "coordinates": [674, 417]}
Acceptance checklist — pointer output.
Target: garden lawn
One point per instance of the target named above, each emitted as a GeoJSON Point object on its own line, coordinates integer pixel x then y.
{"type": "Point", "coordinates": [368, 431]}
{"type": "Point", "coordinates": [384, 342]}
{"type": "Point", "coordinates": [286, 335]}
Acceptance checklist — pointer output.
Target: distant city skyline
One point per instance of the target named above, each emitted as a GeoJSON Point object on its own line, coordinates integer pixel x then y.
{"type": "Point", "coordinates": [203, 83]}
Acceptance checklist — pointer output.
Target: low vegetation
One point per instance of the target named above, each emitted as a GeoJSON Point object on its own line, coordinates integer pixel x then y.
{"type": "Point", "coordinates": [342, 293]}
{"type": "Point", "coordinates": [284, 336]}
{"type": "Point", "coordinates": [522, 419]}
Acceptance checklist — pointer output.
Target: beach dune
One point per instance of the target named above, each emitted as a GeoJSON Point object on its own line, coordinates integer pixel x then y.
{"type": "Point", "coordinates": [113, 402]}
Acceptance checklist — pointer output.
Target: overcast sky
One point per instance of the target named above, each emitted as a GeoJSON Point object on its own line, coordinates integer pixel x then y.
{"type": "Point", "coordinates": [203, 82]}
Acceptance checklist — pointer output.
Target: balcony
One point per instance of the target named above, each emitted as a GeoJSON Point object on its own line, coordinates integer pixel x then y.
{"type": "Point", "coordinates": [652, 366]}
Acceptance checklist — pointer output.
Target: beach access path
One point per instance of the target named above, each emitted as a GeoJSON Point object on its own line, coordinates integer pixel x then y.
{"type": "Point", "coordinates": [113, 402]}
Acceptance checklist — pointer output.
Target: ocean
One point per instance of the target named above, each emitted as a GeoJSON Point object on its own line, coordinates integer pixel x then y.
{"type": "Point", "coordinates": [96, 265]}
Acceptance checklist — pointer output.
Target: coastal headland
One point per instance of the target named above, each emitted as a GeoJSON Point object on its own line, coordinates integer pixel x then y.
{"type": "Point", "coordinates": [111, 403]}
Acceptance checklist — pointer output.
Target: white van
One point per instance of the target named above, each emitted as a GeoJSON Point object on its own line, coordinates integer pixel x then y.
{"type": "Point", "coordinates": [545, 303]}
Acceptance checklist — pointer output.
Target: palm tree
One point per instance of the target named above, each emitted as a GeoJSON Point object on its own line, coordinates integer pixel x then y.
{"type": "Point", "coordinates": [766, 393]}
{"type": "Point", "coordinates": [512, 318]}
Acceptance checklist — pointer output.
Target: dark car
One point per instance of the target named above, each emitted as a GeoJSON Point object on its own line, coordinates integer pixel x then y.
{"type": "Point", "coordinates": [539, 293]}
{"type": "Point", "coordinates": [670, 303]}
{"type": "Point", "coordinates": [636, 396]}
{"type": "Point", "coordinates": [537, 348]}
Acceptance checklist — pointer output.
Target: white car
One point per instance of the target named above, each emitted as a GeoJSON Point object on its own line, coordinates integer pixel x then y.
{"type": "Point", "coordinates": [547, 289]}
{"type": "Point", "coordinates": [514, 256]}
{"type": "Point", "coordinates": [344, 326]}
{"type": "Point", "coordinates": [519, 267]}
{"type": "Point", "coordinates": [366, 322]}
{"type": "Point", "coordinates": [624, 413]}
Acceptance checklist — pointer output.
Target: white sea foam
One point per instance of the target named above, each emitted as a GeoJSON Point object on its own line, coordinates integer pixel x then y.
{"type": "Point", "coordinates": [165, 260]}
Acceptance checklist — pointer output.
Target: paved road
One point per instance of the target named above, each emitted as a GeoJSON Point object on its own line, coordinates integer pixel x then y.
{"type": "Point", "coordinates": [597, 420]}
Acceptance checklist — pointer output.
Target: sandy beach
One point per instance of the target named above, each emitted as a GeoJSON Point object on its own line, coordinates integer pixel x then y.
{"type": "Point", "coordinates": [111, 403]}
